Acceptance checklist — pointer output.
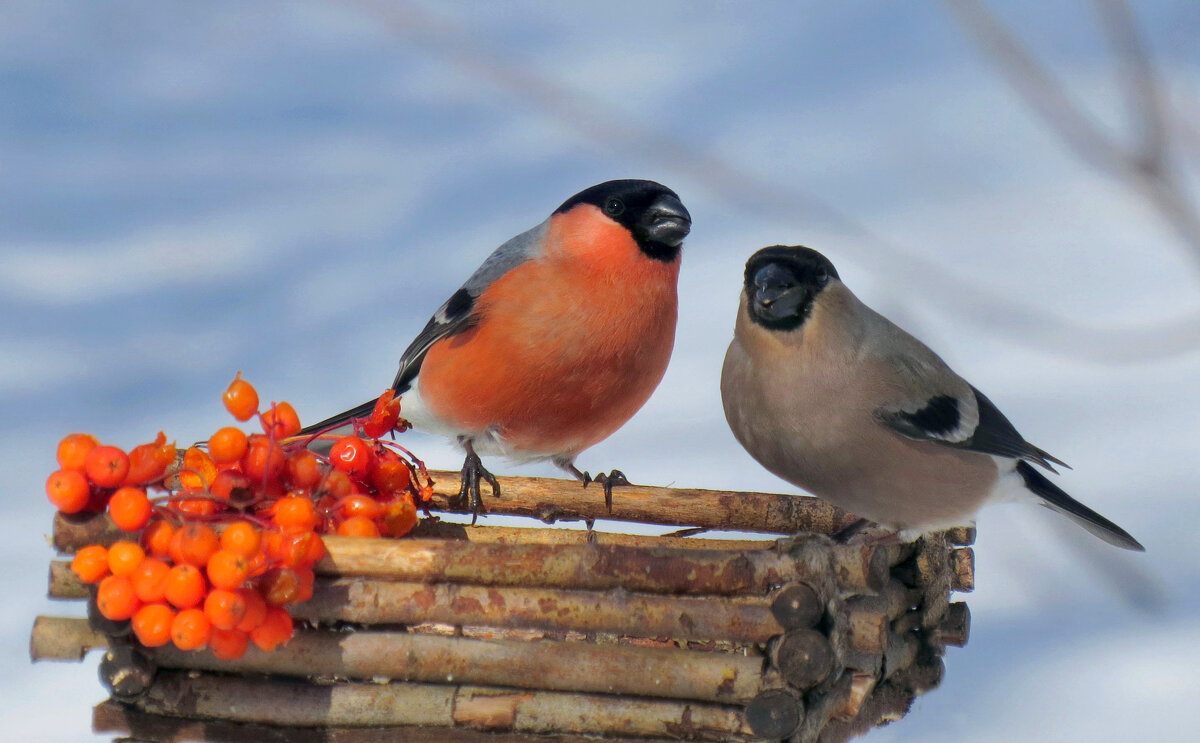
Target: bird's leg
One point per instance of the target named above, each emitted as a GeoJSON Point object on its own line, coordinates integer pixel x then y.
{"type": "Point", "coordinates": [843, 535]}
{"type": "Point", "coordinates": [609, 481]}
{"type": "Point", "coordinates": [868, 532]}
{"type": "Point", "coordinates": [472, 472]}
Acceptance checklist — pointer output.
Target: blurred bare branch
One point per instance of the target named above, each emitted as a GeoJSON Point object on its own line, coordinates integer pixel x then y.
{"type": "Point", "coordinates": [785, 202]}
{"type": "Point", "coordinates": [1146, 166]}
{"type": "Point", "coordinates": [1142, 90]}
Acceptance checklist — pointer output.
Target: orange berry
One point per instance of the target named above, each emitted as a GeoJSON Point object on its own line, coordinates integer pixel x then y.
{"type": "Point", "coordinates": [129, 508]}
{"type": "Point", "coordinates": [106, 466]}
{"type": "Point", "coordinates": [338, 484]}
{"type": "Point", "coordinates": [116, 598]}
{"type": "Point", "coordinates": [185, 586]}
{"type": "Point", "coordinates": [358, 526]}
{"type": "Point", "coordinates": [190, 629]}
{"type": "Point", "coordinates": [256, 609]}
{"type": "Point", "coordinates": [264, 459]}
{"type": "Point", "coordinates": [203, 506]}
{"type": "Point", "coordinates": [280, 586]}
{"type": "Point", "coordinates": [148, 462]}
{"type": "Point", "coordinates": [256, 564]}
{"type": "Point", "coordinates": [383, 416]}
{"type": "Point", "coordinates": [225, 609]}
{"type": "Point", "coordinates": [228, 644]}
{"type": "Point", "coordinates": [351, 455]}
{"type": "Point", "coordinates": [194, 544]}
{"type": "Point", "coordinates": [227, 569]}
{"type": "Point", "coordinates": [124, 557]}
{"type": "Point", "coordinates": [391, 476]}
{"type": "Point", "coordinates": [400, 517]}
{"type": "Point", "coordinates": [275, 630]}
{"type": "Point", "coordinates": [152, 624]}
{"type": "Point", "coordinates": [240, 398]}
{"type": "Point", "coordinates": [73, 450]}
{"type": "Point", "coordinates": [304, 591]}
{"type": "Point", "coordinates": [199, 469]}
{"type": "Point", "coordinates": [156, 538]}
{"type": "Point", "coordinates": [295, 514]}
{"type": "Point", "coordinates": [90, 563]}
{"type": "Point", "coordinates": [68, 490]}
{"type": "Point", "coordinates": [295, 548]}
{"type": "Point", "coordinates": [425, 492]}
{"type": "Point", "coordinates": [281, 421]}
{"type": "Point", "coordinates": [231, 485]}
{"type": "Point", "coordinates": [360, 505]}
{"type": "Point", "coordinates": [150, 580]}
{"type": "Point", "coordinates": [227, 445]}
{"type": "Point", "coordinates": [303, 469]}
{"type": "Point", "coordinates": [241, 537]}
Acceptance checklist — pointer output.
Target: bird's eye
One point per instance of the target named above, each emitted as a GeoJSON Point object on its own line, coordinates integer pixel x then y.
{"type": "Point", "coordinates": [821, 276]}
{"type": "Point", "coordinates": [614, 206]}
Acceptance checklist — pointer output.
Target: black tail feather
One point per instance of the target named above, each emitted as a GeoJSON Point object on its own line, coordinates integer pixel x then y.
{"type": "Point", "coordinates": [1055, 499]}
{"type": "Point", "coordinates": [359, 411]}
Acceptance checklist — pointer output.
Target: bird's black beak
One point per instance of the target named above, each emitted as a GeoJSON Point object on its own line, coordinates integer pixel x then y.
{"type": "Point", "coordinates": [667, 221]}
{"type": "Point", "coordinates": [776, 294]}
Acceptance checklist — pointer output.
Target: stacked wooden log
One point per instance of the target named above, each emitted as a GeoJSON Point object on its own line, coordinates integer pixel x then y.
{"type": "Point", "coordinates": [505, 633]}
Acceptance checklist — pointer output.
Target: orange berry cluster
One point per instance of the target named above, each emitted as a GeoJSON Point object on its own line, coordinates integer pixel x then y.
{"type": "Point", "coordinates": [233, 530]}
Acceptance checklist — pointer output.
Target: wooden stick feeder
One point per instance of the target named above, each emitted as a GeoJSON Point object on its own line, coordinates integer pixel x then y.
{"type": "Point", "coordinates": [509, 634]}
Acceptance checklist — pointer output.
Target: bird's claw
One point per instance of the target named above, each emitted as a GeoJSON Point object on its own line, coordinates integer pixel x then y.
{"type": "Point", "coordinates": [609, 481]}
{"type": "Point", "coordinates": [469, 492]}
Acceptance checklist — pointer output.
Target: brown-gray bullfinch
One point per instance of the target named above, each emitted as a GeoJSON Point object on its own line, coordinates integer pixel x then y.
{"type": "Point", "coordinates": [556, 340]}
{"type": "Point", "coordinates": [831, 396]}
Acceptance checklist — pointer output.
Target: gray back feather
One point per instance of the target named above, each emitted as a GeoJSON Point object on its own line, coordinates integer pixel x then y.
{"type": "Point", "coordinates": [458, 313]}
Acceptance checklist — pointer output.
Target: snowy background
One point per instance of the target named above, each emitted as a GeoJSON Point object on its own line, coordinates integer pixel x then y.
{"type": "Point", "coordinates": [289, 189]}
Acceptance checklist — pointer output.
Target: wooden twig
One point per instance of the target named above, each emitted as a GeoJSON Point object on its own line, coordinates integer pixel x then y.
{"type": "Point", "coordinates": [600, 567]}
{"type": "Point", "coordinates": [888, 701]}
{"type": "Point", "coordinates": [64, 584]}
{"type": "Point", "coordinates": [585, 566]}
{"type": "Point", "coordinates": [956, 626]}
{"type": "Point", "coordinates": [962, 569]}
{"type": "Point", "coordinates": [741, 619]}
{"type": "Point", "coordinates": [821, 710]}
{"type": "Point", "coordinates": [131, 723]}
{"type": "Point", "coordinates": [867, 623]}
{"type": "Point", "coordinates": [900, 653]}
{"type": "Point", "coordinates": [542, 664]}
{"type": "Point", "coordinates": [961, 535]}
{"type": "Point", "coordinates": [489, 534]}
{"type": "Point", "coordinates": [350, 704]}
{"type": "Point", "coordinates": [551, 500]}
{"type": "Point", "coordinates": [861, 686]}
{"type": "Point", "coordinates": [619, 612]}
{"type": "Point", "coordinates": [63, 638]}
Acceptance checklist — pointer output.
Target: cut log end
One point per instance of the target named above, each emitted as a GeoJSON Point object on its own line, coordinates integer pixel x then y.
{"type": "Point", "coordinates": [797, 606]}
{"type": "Point", "coordinates": [775, 714]}
{"type": "Point", "coordinates": [804, 657]}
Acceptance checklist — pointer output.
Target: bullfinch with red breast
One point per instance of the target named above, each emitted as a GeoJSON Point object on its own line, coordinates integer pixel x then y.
{"type": "Point", "coordinates": [556, 340]}
{"type": "Point", "coordinates": [829, 395]}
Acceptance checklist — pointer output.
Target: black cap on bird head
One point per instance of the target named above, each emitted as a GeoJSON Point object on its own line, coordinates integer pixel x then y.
{"type": "Point", "coordinates": [651, 212]}
{"type": "Point", "coordinates": [782, 282]}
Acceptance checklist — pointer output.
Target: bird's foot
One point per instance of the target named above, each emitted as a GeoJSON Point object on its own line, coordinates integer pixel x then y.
{"type": "Point", "coordinates": [469, 493]}
{"type": "Point", "coordinates": [609, 481]}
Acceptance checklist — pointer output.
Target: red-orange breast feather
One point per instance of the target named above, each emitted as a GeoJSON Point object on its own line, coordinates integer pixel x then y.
{"type": "Point", "coordinates": [568, 345]}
